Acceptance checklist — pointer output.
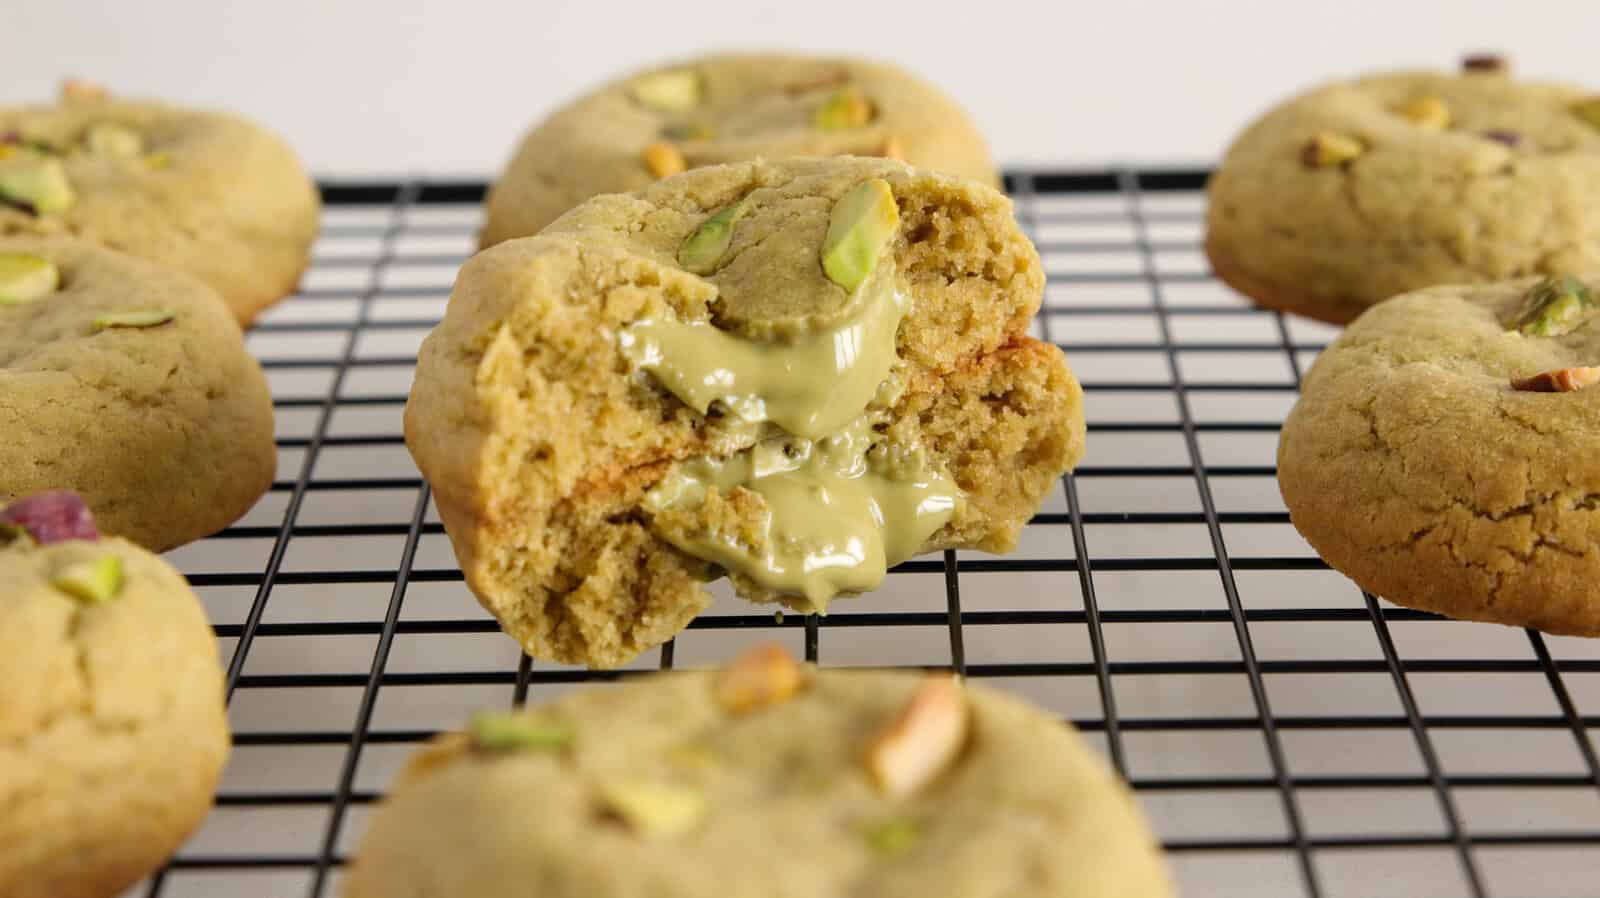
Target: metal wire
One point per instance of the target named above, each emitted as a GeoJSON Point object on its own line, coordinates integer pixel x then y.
{"type": "Point", "coordinates": [348, 340]}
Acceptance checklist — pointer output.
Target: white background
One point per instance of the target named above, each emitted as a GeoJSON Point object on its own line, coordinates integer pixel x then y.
{"type": "Point", "coordinates": [405, 86]}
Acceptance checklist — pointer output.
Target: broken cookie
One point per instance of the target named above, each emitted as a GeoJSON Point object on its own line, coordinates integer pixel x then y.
{"type": "Point", "coordinates": [796, 374]}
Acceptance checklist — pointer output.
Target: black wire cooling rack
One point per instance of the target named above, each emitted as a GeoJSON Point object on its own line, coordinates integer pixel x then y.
{"type": "Point", "coordinates": [1286, 734]}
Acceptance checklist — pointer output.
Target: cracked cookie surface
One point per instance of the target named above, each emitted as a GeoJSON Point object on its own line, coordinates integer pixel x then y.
{"type": "Point", "coordinates": [205, 192]}
{"type": "Point", "coordinates": [782, 804]}
{"type": "Point", "coordinates": [541, 440]}
{"type": "Point", "coordinates": [729, 108]}
{"type": "Point", "coordinates": [1412, 465]}
{"type": "Point", "coordinates": [1438, 179]}
{"type": "Point", "coordinates": [166, 430]}
{"type": "Point", "coordinates": [112, 727]}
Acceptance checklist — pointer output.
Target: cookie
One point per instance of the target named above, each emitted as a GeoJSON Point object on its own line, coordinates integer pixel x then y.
{"type": "Point", "coordinates": [112, 727]}
{"type": "Point", "coordinates": [129, 383]}
{"type": "Point", "coordinates": [1445, 453]}
{"type": "Point", "coordinates": [766, 778]}
{"type": "Point", "coordinates": [605, 430]}
{"type": "Point", "coordinates": [727, 108]}
{"type": "Point", "coordinates": [204, 192]}
{"type": "Point", "coordinates": [1358, 191]}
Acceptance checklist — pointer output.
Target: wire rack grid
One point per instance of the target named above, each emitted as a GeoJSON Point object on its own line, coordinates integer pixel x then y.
{"type": "Point", "coordinates": [1286, 734]}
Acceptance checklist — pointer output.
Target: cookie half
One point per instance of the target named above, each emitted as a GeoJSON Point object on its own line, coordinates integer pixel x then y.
{"type": "Point", "coordinates": [129, 383]}
{"type": "Point", "coordinates": [728, 108]}
{"type": "Point", "coordinates": [112, 727]}
{"type": "Point", "coordinates": [1445, 453]}
{"type": "Point", "coordinates": [1361, 190]}
{"type": "Point", "coordinates": [762, 779]}
{"type": "Point", "coordinates": [207, 193]}
{"type": "Point", "coordinates": [599, 423]}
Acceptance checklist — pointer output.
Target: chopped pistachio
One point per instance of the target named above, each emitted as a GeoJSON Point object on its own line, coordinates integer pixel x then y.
{"type": "Point", "coordinates": [75, 90]}
{"type": "Point", "coordinates": [664, 159]}
{"type": "Point", "coordinates": [847, 107]}
{"type": "Point", "coordinates": [91, 581]}
{"type": "Point", "coordinates": [862, 223]}
{"type": "Point", "coordinates": [674, 90]}
{"type": "Point", "coordinates": [1329, 148]}
{"type": "Point", "coordinates": [158, 160]}
{"type": "Point", "coordinates": [1484, 63]}
{"type": "Point", "coordinates": [893, 837]}
{"type": "Point", "coordinates": [655, 809]}
{"type": "Point", "coordinates": [1509, 138]}
{"type": "Point", "coordinates": [7, 150]}
{"type": "Point", "coordinates": [1552, 307]}
{"type": "Point", "coordinates": [922, 740]}
{"type": "Point", "coordinates": [706, 245]}
{"type": "Point", "coordinates": [1561, 380]}
{"type": "Point", "coordinates": [113, 141]}
{"type": "Point", "coordinates": [1427, 111]}
{"type": "Point", "coordinates": [25, 278]}
{"type": "Point", "coordinates": [762, 675]}
{"type": "Point", "coordinates": [690, 130]}
{"type": "Point", "coordinates": [36, 182]}
{"type": "Point", "coordinates": [891, 148]}
{"type": "Point", "coordinates": [1588, 111]}
{"type": "Point", "coordinates": [519, 731]}
{"type": "Point", "coordinates": [135, 318]}
{"type": "Point", "coordinates": [52, 517]}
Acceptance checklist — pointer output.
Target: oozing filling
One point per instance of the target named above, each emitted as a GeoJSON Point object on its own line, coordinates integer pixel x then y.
{"type": "Point", "coordinates": [842, 502]}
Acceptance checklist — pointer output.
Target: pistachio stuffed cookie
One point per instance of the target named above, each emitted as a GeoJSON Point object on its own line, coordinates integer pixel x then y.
{"type": "Point", "coordinates": [1361, 190]}
{"type": "Point", "coordinates": [1445, 453]}
{"type": "Point", "coordinates": [793, 373]}
{"type": "Point", "coordinates": [764, 778]}
{"type": "Point", "coordinates": [112, 727]}
{"type": "Point", "coordinates": [129, 383]}
{"type": "Point", "coordinates": [207, 193]}
{"type": "Point", "coordinates": [728, 108]}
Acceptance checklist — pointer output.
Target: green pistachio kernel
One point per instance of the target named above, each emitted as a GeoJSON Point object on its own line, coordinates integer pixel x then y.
{"type": "Point", "coordinates": [845, 108]}
{"type": "Point", "coordinates": [1553, 307]}
{"type": "Point", "coordinates": [138, 318]}
{"type": "Point", "coordinates": [862, 223]}
{"type": "Point", "coordinates": [892, 837]}
{"type": "Point", "coordinates": [91, 581]}
{"type": "Point", "coordinates": [113, 141]}
{"type": "Point", "coordinates": [36, 182]}
{"type": "Point", "coordinates": [25, 278]}
{"type": "Point", "coordinates": [519, 731]}
{"type": "Point", "coordinates": [705, 247]}
{"type": "Point", "coordinates": [655, 809]}
{"type": "Point", "coordinates": [674, 90]}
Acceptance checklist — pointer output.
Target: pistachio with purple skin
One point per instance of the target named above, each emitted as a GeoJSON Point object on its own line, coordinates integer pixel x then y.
{"type": "Point", "coordinates": [51, 517]}
{"type": "Point", "coordinates": [1484, 63]}
{"type": "Point", "coordinates": [1509, 138]}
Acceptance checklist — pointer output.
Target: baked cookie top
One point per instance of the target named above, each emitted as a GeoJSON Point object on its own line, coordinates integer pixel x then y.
{"type": "Point", "coordinates": [763, 779]}
{"type": "Point", "coordinates": [1445, 455]}
{"type": "Point", "coordinates": [112, 731]}
{"type": "Point", "coordinates": [728, 108]}
{"type": "Point", "coordinates": [1361, 190]}
{"type": "Point", "coordinates": [599, 422]}
{"type": "Point", "coordinates": [129, 383]}
{"type": "Point", "coordinates": [204, 192]}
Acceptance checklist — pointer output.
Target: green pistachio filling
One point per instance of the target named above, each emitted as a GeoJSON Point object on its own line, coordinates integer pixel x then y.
{"type": "Point", "coordinates": [840, 511]}
{"type": "Point", "coordinates": [811, 386]}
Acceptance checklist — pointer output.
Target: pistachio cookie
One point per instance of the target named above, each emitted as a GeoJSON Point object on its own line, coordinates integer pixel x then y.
{"type": "Point", "coordinates": [766, 778]}
{"type": "Point", "coordinates": [1445, 453]}
{"type": "Point", "coordinates": [204, 192]}
{"type": "Point", "coordinates": [1358, 191]}
{"type": "Point", "coordinates": [796, 373]}
{"type": "Point", "coordinates": [112, 727]}
{"type": "Point", "coordinates": [728, 108]}
{"type": "Point", "coordinates": [129, 383]}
